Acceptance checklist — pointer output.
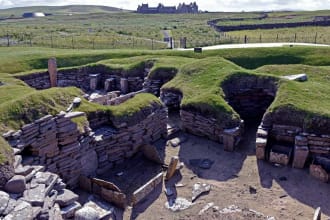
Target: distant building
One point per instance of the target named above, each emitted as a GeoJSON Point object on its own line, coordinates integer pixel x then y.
{"type": "Point", "coordinates": [33, 14]}
{"type": "Point", "coordinates": [161, 9]}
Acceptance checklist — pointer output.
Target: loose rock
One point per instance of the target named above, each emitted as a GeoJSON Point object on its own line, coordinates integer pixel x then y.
{"type": "Point", "coordinates": [178, 204]}
{"type": "Point", "coordinates": [16, 184]}
{"type": "Point", "coordinates": [198, 189]}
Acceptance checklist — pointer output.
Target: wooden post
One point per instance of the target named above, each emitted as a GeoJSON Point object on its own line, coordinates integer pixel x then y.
{"type": "Point", "coordinates": [295, 37]}
{"type": "Point", "coordinates": [245, 39]}
{"type": "Point", "coordinates": [52, 70]}
{"type": "Point", "coordinates": [260, 39]}
{"type": "Point", "coordinates": [72, 43]}
{"type": "Point", "coordinates": [277, 38]}
{"type": "Point", "coordinates": [8, 44]}
{"type": "Point", "coordinates": [51, 39]}
{"type": "Point", "coordinates": [315, 38]}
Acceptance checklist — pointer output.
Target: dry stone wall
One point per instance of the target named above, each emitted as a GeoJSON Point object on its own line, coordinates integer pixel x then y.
{"type": "Point", "coordinates": [281, 143]}
{"type": "Point", "coordinates": [56, 142]}
{"type": "Point", "coordinates": [108, 79]}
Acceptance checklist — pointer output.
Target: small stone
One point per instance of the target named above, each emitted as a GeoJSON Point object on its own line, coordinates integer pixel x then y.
{"type": "Point", "coordinates": [76, 101]}
{"type": "Point", "coordinates": [178, 204]}
{"type": "Point", "coordinates": [205, 208]}
{"type": "Point", "coordinates": [16, 184]}
{"type": "Point", "coordinates": [206, 164]}
{"type": "Point", "coordinates": [252, 190]}
{"type": "Point", "coordinates": [199, 189]}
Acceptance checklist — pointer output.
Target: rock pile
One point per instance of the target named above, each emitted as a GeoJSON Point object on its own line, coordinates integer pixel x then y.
{"type": "Point", "coordinates": [35, 194]}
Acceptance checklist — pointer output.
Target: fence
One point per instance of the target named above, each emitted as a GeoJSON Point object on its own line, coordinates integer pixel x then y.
{"type": "Point", "coordinates": [77, 41]}
{"type": "Point", "coordinates": [128, 42]}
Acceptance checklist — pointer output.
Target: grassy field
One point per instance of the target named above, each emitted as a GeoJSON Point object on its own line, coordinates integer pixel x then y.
{"type": "Point", "coordinates": [97, 27]}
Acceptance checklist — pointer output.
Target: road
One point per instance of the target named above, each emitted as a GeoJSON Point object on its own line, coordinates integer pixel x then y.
{"type": "Point", "coordinates": [256, 45]}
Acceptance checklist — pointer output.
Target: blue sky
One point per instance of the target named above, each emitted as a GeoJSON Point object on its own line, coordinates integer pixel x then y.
{"type": "Point", "coordinates": [210, 5]}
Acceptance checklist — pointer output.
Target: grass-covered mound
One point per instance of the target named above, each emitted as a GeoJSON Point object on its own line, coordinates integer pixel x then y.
{"type": "Point", "coordinates": [198, 76]}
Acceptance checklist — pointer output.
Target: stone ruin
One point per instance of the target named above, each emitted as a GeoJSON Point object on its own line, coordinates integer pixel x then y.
{"type": "Point", "coordinates": [53, 155]}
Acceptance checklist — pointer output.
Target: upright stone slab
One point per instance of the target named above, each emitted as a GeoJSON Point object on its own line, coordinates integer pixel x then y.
{"type": "Point", "coordinates": [109, 84]}
{"type": "Point", "coordinates": [229, 138]}
{"type": "Point", "coordinates": [301, 152]}
{"type": "Point", "coordinates": [124, 85]}
{"type": "Point", "coordinates": [94, 81]}
{"type": "Point", "coordinates": [172, 167]}
{"type": "Point", "coordinates": [52, 70]}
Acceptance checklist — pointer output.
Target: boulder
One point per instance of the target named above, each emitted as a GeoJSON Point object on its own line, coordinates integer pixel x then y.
{"type": "Point", "coordinates": [16, 184]}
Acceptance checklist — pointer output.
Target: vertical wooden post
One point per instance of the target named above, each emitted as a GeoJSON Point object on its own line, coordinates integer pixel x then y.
{"type": "Point", "coordinates": [52, 70]}
{"type": "Point", "coordinates": [8, 44]}
{"type": "Point", "coordinates": [295, 37]}
{"type": "Point", "coordinates": [245, 39]}
{"type": "Point", "coordinates": [315, 41]}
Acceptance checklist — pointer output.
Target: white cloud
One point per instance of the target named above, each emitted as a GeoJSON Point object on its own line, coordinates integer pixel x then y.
{"type": "Point", "coordinates": [6, 4]}
{"type": "Point", "coordinates": [211, 5]}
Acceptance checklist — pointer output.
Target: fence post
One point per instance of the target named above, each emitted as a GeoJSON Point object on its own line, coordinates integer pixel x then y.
{"type": "Point", "coordinates": [295, 37]}
{"type": "Point", "coordinates": [260, 39]}
{"type": "Point", "coordinates": [72, 43]}
{"type": "Point", "coordinates": [315, 38]}
{"type": "Point", "coordinates": [245, 39]}
{"type": "Point", "coordinates": [277, 38]}
{"type": "Point", "coordinates": [51, 39]}
{"type": "Point", "coordinates": [152, 44]}
{"type": "Point", "coordinates": [8, 44]}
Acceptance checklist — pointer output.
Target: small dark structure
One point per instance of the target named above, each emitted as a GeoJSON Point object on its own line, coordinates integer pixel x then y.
{"type": "Point", "coordinates": [33, 14]}
{"type": "Point", "coordinates": [161, 9]}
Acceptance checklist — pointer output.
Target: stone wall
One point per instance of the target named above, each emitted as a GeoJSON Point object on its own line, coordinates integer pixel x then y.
{"type": "Point", "coordinates": [221, 28]}
{"type": "Point", "coordinates": [282, 143]}
{"type": "Point", "coordinates": [56, 142]}
{"type": "Point", "coordinates": [80, 77]}
{"type": "Point", "coordinates": [197, 124]}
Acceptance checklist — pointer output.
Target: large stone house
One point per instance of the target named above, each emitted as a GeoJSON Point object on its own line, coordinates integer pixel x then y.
{"type": "Point", "coordinates": [161, 9]}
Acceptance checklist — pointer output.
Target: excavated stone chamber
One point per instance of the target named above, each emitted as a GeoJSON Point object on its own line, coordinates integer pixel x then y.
{"type": "Point", "coordinates": [250, 95]}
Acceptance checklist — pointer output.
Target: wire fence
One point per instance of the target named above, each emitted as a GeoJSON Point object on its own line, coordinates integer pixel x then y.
{"type": "Point", "coordinates": [77, 41]}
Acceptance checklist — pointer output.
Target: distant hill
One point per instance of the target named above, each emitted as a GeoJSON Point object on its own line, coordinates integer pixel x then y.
{"type": "Point", "coordinates": [58, 10]}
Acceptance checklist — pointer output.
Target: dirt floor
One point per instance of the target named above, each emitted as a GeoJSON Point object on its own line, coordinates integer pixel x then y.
{"type": "Point", "coordinates": [236, 178]}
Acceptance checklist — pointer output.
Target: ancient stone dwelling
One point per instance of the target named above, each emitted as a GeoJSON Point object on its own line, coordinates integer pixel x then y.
{"type": "Point", "coordinates": [55, 154]}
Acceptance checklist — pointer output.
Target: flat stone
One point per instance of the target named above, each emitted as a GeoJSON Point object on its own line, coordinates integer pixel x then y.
{"type": "Point", "coordinates": [66, 197]}
{"type": "Point", "coordinates": [36, 196]}
{"type": "Point", "coordinates": [16, 184]}
{"type": "Point", "coordinates": [297, 77]}
{"type": "Point", "coordinates": [104, 209]}
{"type": "Point", "coordinates": [199, 189]}
{"type": "Point", "coordinates": [69, 211]}
{"type": "Point", "coordinates": [178, 204]}
{"type": "Point", "coordinates": [4, 200]}
{"type": "Point", "coordinates": [23, 210]}
{"type": "Point", "coordinates": [74, 114]}
{"type": "Point", "coordinates": [24, 171]}
{"type": "Point", "coordinates": [172, 167]}
{"type": "Point", "coordinates": [86, 213]}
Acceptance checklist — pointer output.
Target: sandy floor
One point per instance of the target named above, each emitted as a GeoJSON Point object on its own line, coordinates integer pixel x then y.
{"type": "Point", "coordinates": [282, 192]}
